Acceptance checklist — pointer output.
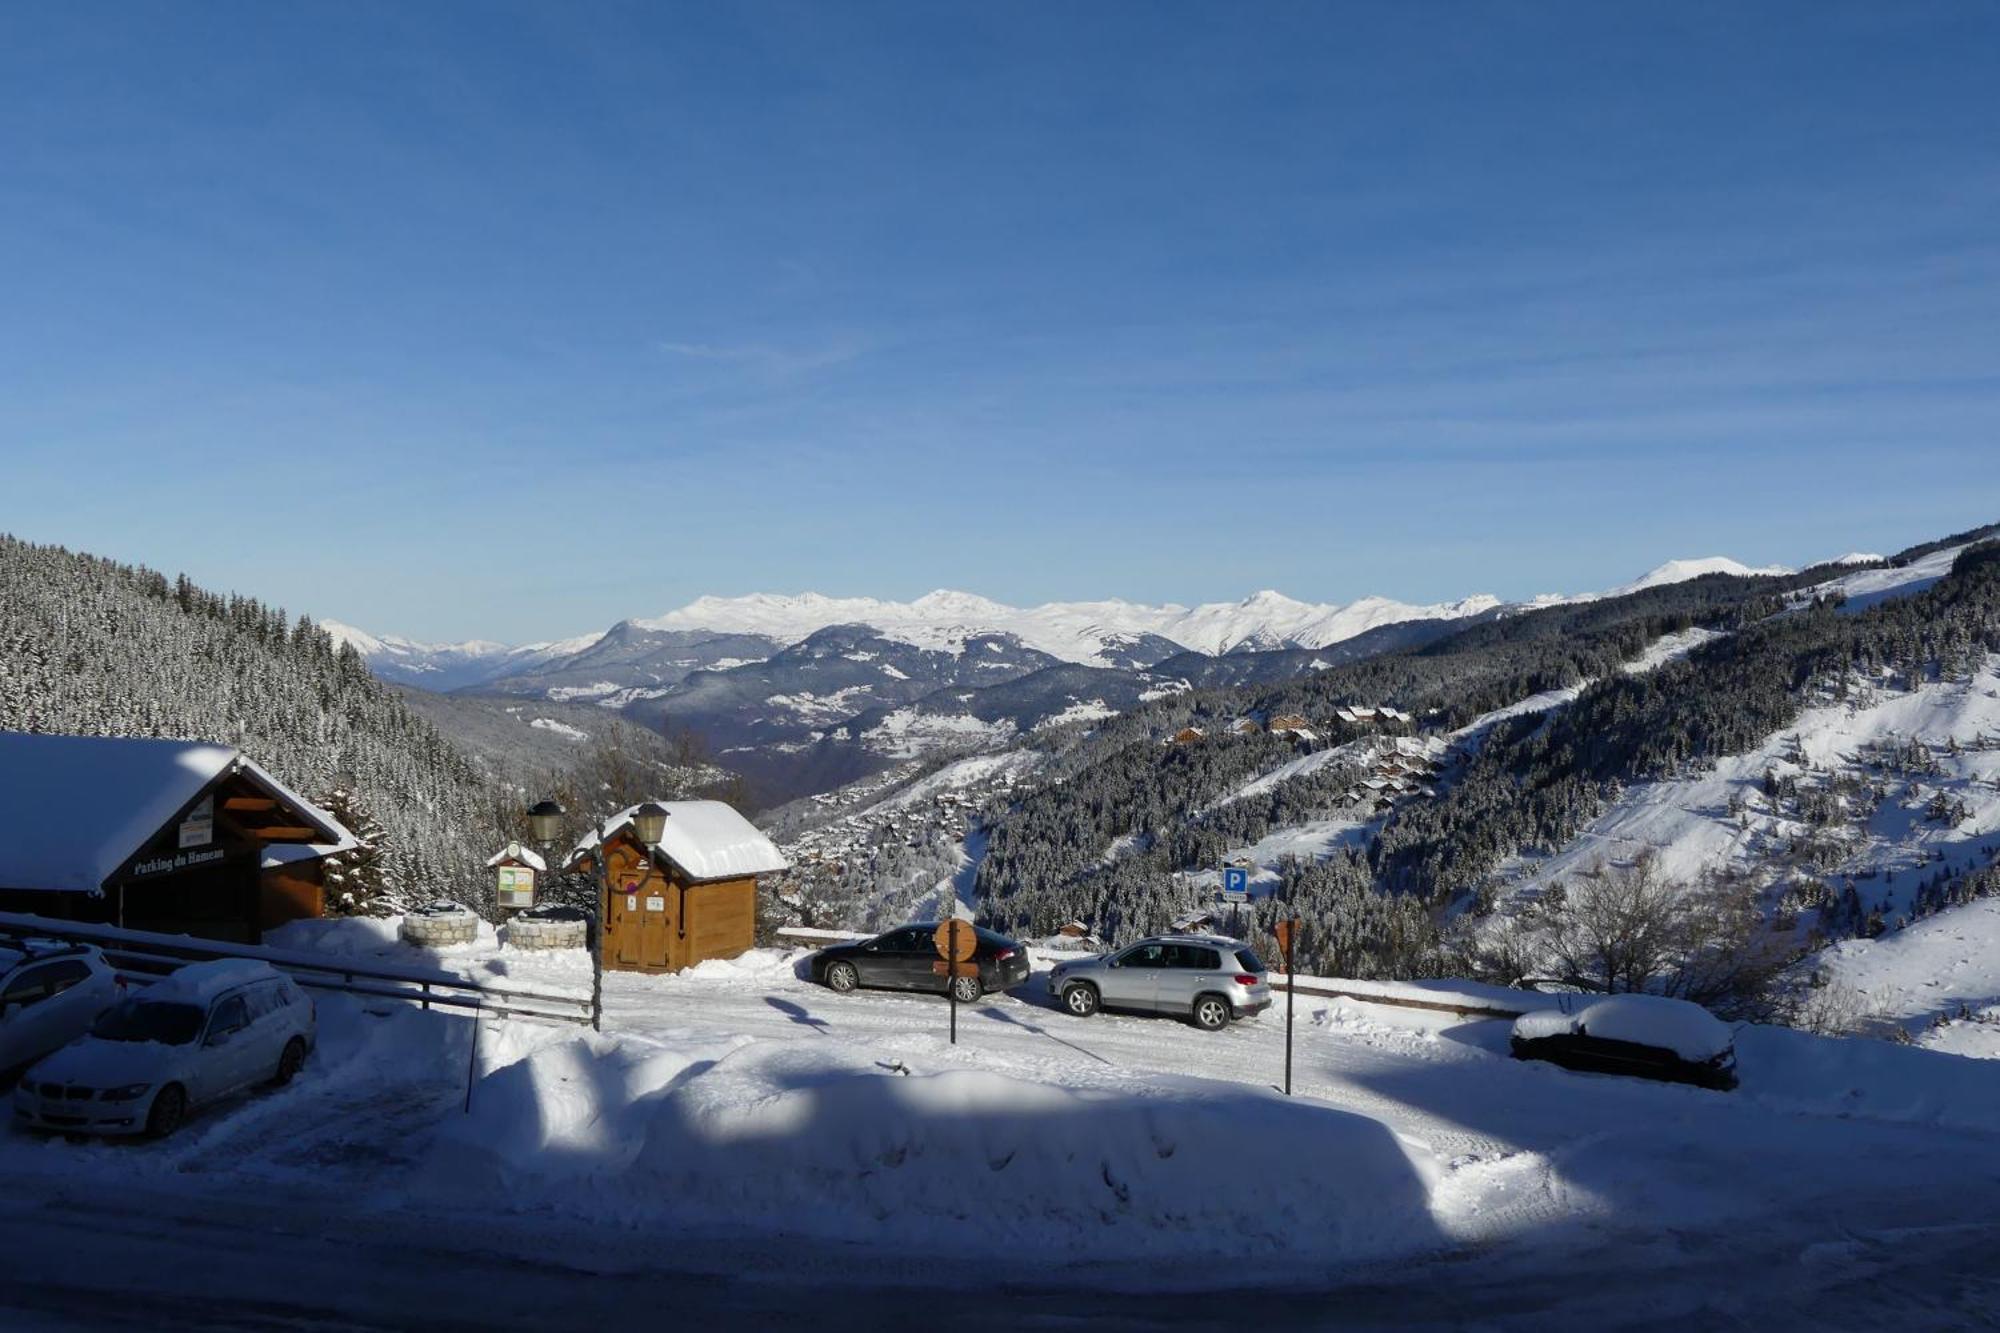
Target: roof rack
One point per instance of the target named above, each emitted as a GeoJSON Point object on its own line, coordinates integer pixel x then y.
{"type": "Point", "coordinates": [36, 948]}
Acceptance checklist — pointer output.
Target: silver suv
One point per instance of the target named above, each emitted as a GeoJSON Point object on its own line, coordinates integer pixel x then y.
{"type": "Point", "coordinates": [1206, 978]}
{"type": "Point", "coordinates": [50, 994]}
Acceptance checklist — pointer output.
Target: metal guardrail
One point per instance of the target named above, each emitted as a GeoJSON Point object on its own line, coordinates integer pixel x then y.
{"type": "Point", "coordinates": [1443, 1002]}
{"type": "Point", "coordinates": [145, 957]}
{"type": "Point", "coordinates": [811, 935]}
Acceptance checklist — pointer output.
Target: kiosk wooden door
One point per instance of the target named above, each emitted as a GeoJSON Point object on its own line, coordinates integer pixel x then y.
{"type": "Point", "coordinates": [621, 925]}
{"type": "Point", "coordinates": [640, 924]}
{"type": "Point", "coordinates": [657, 924]}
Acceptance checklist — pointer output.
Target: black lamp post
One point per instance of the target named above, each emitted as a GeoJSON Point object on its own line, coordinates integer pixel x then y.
{"type": "Point", "coordinates": [545, 822]}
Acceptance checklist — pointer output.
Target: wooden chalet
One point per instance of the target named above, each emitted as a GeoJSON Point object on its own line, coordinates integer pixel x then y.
{"type": "Point", "coordinates": [1189, 736]}
{"type": "Point", "coordinates": [181, 837]}
{"type": "Point", "coordinates": [1295, 728]}
{"type": "Point", "coordinates": [693, 898]}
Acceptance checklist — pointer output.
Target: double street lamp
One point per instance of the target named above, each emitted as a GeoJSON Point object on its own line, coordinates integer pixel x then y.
{"type": "Point", "coordinates": [649, 825]}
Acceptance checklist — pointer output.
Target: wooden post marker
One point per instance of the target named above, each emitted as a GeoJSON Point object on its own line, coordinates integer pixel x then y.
{"type": "Point", "coordinates": [1287, 932]}
{"type": "Point", "coordinates": [955, 942]}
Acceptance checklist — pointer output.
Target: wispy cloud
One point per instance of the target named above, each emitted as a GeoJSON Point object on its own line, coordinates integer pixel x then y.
{"type": "Point", "coordinates": [767, 358]}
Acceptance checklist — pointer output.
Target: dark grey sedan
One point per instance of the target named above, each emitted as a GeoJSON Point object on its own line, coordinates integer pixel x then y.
{"type": "Point", "coordinates": [901, 959]}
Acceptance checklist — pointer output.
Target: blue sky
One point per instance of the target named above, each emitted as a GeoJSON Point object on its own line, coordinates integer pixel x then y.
{"type": "Point", "coordinates": [462, 320]}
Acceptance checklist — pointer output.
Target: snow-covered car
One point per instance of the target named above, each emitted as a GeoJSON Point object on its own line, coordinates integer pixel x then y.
{"type": "Point", "coordinates": [50, 994]}
{"type": "Point", "coordinates": [193, 1038]}
{"type": "Point", "coordinates": [1649, 1036]}
{"type": "Point", "coordinates": [1207, 979]}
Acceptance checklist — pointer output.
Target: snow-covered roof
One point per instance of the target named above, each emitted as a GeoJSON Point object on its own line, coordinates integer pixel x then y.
{"type": "Point", "coordinates": [287, 853]}
{"type": "Point", "coordinates": [75, 808]}
{"type": "Point", "coordinates": [515, 852]}
{"type": "Point", "coordinates": [706, 839]}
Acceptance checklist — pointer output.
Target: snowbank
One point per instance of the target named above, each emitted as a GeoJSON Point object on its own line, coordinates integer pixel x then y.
{"type": "Point", "coordinates": [1862, 1076]}
{"type": "Point", "coordinates": [372, 942]}
{"type": "Point", "coordinates": [740, 1135]}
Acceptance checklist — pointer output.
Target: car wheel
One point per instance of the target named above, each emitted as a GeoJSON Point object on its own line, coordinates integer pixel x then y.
{"type": "Point", "coordinates": [842, 977]}
{"type": "Point", "coordinates": [1080, 998]}
{"type": "Point", "coordinates": [169, 1109]}
{"type": "Point", "coordinates": [1211, 1013]}
{"type": "Point", "coordinates": [289, 1060]}
{"type": "Point", "coordinates": [966, 990]}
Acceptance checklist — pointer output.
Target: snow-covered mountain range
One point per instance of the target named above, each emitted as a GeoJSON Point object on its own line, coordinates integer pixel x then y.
{"type": "Point", "coordinates": [1090, 633]}
{"type": "Point", "coordinates": [804, 691]}
{"type": "Point", "coordinates": [449, 666]}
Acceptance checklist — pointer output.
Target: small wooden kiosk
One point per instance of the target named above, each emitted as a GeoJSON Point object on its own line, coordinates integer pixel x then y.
{"type": "Point", "coordinates": [692, 897]}
{"type": "Point", "coordinates": [516, 869]}
{"type": "Point", "coordinates": [181, 837]}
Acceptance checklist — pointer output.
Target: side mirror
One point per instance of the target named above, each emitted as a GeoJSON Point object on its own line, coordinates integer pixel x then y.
{"type": "Point", "coordinates": [1111, 962]}
{"type": "Point", "coordinates": [871, 948]}
{"type": "Point", "coordinates": [220, 1038]}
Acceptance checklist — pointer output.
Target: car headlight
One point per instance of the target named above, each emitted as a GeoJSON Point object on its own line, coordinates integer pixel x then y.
{"type": "Point", "coordinates": [131, 1092]}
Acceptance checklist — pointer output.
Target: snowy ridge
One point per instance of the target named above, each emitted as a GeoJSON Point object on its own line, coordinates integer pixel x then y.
{"type": "Point", "coordinates": [1869, 586]}
{"type": "Point", "coordinates": [446, 666]}
{"type": "Point", "coordinates": [1073, 631]}
{"type": "Point", "coordinates": [1092, 633]}
{"type": "Point", "coordinates": [1680, 571]}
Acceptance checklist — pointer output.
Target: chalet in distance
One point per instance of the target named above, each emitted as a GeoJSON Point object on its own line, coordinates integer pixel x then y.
{"type": "Point", "coordinates": [181, 837]}
{"type": "Point", "coordinates": [693, 897]}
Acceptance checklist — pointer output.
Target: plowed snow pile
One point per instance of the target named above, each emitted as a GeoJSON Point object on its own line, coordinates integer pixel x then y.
{"type": "Point", "coordinates": [807, 1138]}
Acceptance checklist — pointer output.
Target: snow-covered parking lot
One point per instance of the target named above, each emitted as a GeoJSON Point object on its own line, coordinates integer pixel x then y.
{"type": "Point", "coordinates": [740, 1141]}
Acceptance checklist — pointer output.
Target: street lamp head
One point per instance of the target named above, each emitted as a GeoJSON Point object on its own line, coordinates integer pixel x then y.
{"type": "Point", "coordinates": [649, 823]}
{"type": "Point", "coordinates": [545, 819]}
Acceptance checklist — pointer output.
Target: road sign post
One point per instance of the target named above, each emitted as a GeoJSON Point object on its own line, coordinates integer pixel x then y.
{"type": "Point", "coordinates": [1235, 884]}
{"type": "Point", "coordinates": [1288, 934]}
{"type": "Point", "coordinates": [955, 943]}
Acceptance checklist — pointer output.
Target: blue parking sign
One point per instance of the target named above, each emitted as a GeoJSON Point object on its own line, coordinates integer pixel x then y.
{"type": "Point", "coordinates": [1235, 882]}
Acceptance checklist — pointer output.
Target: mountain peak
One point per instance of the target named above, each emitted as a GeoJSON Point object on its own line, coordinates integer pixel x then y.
{"type": "Point", "coordinates": [947, 602]}
{"type": "Point", "coordinates": [1680, 571]}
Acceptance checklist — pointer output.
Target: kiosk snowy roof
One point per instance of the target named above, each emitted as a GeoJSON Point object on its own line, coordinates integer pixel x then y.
{"type": "Point", "coordinates": [706, 839]}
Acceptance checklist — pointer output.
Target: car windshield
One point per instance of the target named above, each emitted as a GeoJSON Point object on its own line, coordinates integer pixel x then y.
{"type": "Point", "coordinates": [141, 1020]}
{"type": "Point", "coordinates": [1249, 961]}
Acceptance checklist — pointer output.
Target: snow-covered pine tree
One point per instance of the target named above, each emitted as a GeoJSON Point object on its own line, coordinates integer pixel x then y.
{"type": "Point", "coordinates": [357, 881]}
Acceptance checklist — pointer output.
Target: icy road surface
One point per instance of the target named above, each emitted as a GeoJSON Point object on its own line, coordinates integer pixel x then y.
{"type": "Point", "coordinates": [1564, 1199]}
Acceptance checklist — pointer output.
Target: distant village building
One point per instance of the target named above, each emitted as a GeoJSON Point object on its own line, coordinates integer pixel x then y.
{"type": "Point", "coordinates": [1199, 919]}
{"type": "Point", "coordinates": [181, 837]}
{"type": "Point", "coordinates": [1189, 736]}
{"type": "Point", "coordinates": [1246, 726]}
{"type": "Point", "coordinates": [693, 898]}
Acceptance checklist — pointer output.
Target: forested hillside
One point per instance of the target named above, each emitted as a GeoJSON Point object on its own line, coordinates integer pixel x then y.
{"type": "Point", "coordinates": [1122, 817]}
{"type": "Point", "coordinates": [94, 647]}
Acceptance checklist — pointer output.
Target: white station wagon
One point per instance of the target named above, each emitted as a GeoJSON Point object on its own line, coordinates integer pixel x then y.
{"type": "Point", "coordinates": [204, 1032]}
